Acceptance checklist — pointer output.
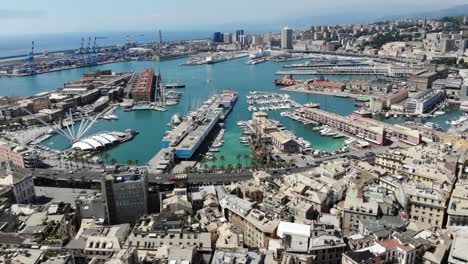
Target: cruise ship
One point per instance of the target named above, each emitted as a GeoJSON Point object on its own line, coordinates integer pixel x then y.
{"type": "Point", "coordinates": [189, 134]}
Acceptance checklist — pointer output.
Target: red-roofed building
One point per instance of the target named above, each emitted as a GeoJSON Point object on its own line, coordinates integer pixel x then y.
{"type": "Point", "coordinates": [145, 87]}
{"type": "Point", "coordinates": [397, 97]}
{"type": "Point", "coordinates": [325, 85]}
{"type": "Point", "coordinates": [401, 250]}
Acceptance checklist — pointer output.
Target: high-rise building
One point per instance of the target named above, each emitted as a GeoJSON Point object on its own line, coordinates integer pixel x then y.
{"type": "Point", "coordinates": [227, 38]}
{"type": "Point", "coordinates": [239, 32]}
{"type": "Point", "coordinates": [447, 45]}
{"type": "Point", "coordinates": [286, 38]}
{"type": "Point", "coordinates": [126, 197]}
{"type": "Point", "coordinates": [257, 40]}
{"type": "Point", "coordinates": [243, 40]}
{"type": "Point", "coordinates": [267, 36]}
{"type": "Point", "coordinates": [217, 37]}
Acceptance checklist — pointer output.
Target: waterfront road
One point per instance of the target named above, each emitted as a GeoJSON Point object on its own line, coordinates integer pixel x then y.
{"type": "Point", "coordinates": [96, 176]}
{"type": "Point", "coordinates": [195, 178]}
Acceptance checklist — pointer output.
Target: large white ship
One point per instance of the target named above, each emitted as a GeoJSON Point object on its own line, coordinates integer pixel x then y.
{"type": "Point", "coordinates": [464, 106]}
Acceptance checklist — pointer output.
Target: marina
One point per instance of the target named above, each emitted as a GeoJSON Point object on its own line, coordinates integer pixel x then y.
{"type": "Point", "coordinates": [231, 74]}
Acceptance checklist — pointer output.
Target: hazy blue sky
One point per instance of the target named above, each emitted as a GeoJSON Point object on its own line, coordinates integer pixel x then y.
{"type": "Point", "coordinates": [34, 16]}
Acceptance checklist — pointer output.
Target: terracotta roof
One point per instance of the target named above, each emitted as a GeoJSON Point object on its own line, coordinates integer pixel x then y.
{"type": "Point", "coordinates": [393, 243]}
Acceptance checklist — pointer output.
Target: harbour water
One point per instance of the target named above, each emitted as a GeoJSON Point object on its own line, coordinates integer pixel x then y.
{"type": "Point", "coordinates": [202, 81]}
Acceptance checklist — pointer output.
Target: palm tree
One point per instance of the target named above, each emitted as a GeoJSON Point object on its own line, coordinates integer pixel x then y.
{"type": "Point", "coordinates": [113, 161]}
{"type": "Point", "coordinates": [130, 162]}
{"type": "Point", "coordinates": [229, 168]}
{"type": "Point", "coordinates": [136, 162]}
{"type": "Point", "coordinates": [60, 159]}
{"type": "Point", "coordinates": [222, 158]}
{"type": "Point", "coordinates": [105, 157]}
{"type": "Point", "coordinates": [238, 157]}
{"type": "Point", "coordinates": [205, 167]}
{"type": "Point", "coordinates": [239, 166]}
{"type": "Point", "coordinates": [70, 181]}
{"type": "Point", "coordinates": [214, 159]}
{"type": "Point", "coordinates": [246, 157]}
{"type": "Point", "coordinates": [213, 167]}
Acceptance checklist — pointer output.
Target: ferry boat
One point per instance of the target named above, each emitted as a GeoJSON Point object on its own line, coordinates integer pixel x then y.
{"type": "Point", "coordinates": [110, 117]}
{"type": "Point", "coordinates": [174, 85]}
{"type": "Point", "coordinates": [212, 60]}
{"type": "Point", "coordinates": [172, 102]}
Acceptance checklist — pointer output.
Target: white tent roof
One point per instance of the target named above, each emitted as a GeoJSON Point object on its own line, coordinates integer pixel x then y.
{"type": "Point", "coordinates": [101, 139]}
{"type": "Point", "coordinates": [82, 145]}
{"type": "Point", "coordinates": [109, 137]}
{"type": "Point", "coordinates": [95, 144]}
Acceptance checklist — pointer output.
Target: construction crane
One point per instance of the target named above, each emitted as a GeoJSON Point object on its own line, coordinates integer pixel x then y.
{"type": "Point", "coordinates": [82, 45]}
{"type": "Point", "coordinates": [88, 49]}
{"type": "Point", "coordinates": [30, 57]}
{"type": "Point", "coordinates": [160, 38]}
{"type": "Point", "coordinates": [94, 46]}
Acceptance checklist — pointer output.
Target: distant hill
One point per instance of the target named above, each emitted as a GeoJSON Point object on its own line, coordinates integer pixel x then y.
{"type": "Point", "coordinates": [459, 10]}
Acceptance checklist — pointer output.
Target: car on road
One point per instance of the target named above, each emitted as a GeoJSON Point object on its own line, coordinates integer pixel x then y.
{"type": "Point", "coordinates": [158, 178]}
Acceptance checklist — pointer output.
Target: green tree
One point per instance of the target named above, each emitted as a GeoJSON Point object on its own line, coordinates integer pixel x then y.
{"type": "Point", "coordinates": [105, 156]}
{"type": "Point", "coordinates": [246, 158]}
{"type": "Point", "coordinates": [222, 158]}
{"type": "Point", "coordinates": [238, 157]}
{"type": "Point", "coordinates": [213, 167]}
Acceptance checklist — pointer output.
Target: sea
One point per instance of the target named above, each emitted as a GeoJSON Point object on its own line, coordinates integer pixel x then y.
{"type": "Point", "coordinates": [202, 81]}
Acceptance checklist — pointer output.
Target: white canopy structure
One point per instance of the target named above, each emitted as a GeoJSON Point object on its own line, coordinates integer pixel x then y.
{"type": "Point", "coordinates": [95, 142]}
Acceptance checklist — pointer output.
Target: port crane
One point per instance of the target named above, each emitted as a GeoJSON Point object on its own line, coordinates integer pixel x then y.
{"type": "Point", "coordinates": [30, 65]}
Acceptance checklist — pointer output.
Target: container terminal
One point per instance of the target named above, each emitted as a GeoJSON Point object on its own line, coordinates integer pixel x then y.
{"type": "Point", "coordinates": [184, 140]}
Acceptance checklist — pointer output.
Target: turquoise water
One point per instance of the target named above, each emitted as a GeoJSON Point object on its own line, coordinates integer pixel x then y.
{"type": "Point", "coordinates": [202, 81]}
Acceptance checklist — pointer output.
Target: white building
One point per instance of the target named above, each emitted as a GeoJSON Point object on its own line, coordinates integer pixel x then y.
{"type": "Point", "coordinates": [20, 184]}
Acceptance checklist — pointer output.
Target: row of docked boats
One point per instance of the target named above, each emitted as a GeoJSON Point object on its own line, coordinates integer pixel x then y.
{"type": "Point", "coordinates": [461, 120]}
{"type": "Point", "coordinates": [270, 107]}
{"type": "Point", "coordinates": [328, 131]}
{"type": "Point", "coordinates": [218, 142]}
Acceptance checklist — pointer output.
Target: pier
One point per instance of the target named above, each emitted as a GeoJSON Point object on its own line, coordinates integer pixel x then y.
{"type": "Point", "coordinates": [185, 139]}
{"type": "Point", "coordinates": [305, 65]}
{"type": "Point", "coordinates": [386, 70]}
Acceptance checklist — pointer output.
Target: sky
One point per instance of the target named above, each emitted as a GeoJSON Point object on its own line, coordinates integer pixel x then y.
{"type": "Point", "coordinates": [21, 17]}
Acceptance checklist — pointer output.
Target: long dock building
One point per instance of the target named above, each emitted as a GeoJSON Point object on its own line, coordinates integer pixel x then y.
{"type": "Point", "coordinates": [361, 126]}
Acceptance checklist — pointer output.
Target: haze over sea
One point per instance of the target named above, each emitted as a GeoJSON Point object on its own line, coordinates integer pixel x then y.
{"type": "Point", "coordinates": [21, 44]}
